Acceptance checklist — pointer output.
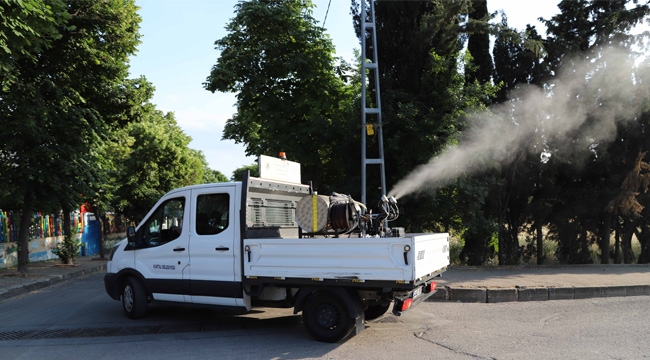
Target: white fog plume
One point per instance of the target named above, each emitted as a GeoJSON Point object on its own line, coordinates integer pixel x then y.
{"type": "Point", "coordinates": [585, 101]}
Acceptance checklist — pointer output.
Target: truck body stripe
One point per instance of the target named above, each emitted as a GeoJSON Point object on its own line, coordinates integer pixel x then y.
{"type": "Point", "coordinates": [224, 289]}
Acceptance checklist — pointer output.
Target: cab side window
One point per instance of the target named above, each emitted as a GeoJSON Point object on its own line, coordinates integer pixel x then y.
{"type": "Point", "coordinates": [212, 213]}
{"type": "Point", "coordinates": [165, 224]}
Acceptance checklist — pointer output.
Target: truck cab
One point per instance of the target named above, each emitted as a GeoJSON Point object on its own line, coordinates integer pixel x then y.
{"type": "Point", "coordinates": [185, 250]}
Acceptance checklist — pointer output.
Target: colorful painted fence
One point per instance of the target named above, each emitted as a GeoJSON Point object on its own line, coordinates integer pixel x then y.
{"type": "Point", "coordinates": [46, 230]}
{"type": "Point", "coordinates": [51, 225]}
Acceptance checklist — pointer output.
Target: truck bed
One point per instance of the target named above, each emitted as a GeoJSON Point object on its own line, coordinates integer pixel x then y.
{"type": "Point", "coordinates": [353, 260]}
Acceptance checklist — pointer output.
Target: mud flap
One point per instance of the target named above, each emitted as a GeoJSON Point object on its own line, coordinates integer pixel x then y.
{"type": "Point", "coordinates": [359, 323]}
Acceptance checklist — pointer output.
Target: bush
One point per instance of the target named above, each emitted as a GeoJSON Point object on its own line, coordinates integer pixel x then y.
{"type": "Point", "coordinates": [67, 249]}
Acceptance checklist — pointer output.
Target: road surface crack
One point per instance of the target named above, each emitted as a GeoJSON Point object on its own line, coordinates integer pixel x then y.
{"type": "Point", "coordinates": [420, 335]}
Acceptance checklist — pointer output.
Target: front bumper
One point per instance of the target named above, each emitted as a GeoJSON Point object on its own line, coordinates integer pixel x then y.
{"type": "Point", "coordinates": [112, 286]}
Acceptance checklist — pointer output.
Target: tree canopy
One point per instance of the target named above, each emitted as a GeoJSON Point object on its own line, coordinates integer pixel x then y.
{"type": "Point", "coordinates": [74, 128]}
{"type": "Point", "coordinates": [278, 60]}
{"type": "Point", "coordinates": [49, 110]}
{"type": "Point", "coordinates": [154, 158]}
{"type": "Point", "coordinates": [551, 127]}
{"type": "Point", "coordinates": [437, 95]}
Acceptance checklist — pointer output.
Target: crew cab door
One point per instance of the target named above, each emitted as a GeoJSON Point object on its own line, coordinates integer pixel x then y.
{"type": "Point", "coordinates": [213, 247]}
{"type": "Point", "coordinates": [162, 249]}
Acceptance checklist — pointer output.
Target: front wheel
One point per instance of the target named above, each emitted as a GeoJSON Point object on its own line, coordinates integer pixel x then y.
{"type": "Point", "coordinates": [326, 317]}
{"type": "Point", "coordinates": [134, 299]}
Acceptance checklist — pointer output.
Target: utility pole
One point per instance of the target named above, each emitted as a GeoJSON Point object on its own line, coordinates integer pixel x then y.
{"type": "Point", "coordinates": [370, 101]}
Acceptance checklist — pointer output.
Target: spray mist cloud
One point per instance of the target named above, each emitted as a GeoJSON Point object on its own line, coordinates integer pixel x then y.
{"type": "Point", "coordinates": [584, 102]}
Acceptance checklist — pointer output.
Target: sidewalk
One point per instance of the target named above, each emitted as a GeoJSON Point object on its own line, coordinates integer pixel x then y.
{"type": "Point", "coordinates": [46, 273]}
{"type": "Point", "coordinates": [459, 283]}
{"type": "Point", "coordinates": [537, 283]}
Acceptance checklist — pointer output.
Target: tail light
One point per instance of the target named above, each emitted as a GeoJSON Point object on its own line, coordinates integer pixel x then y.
{"type": "Point", "coordinates": [429, 288]}
{"type": "Point", "coordinates": [406, 304]}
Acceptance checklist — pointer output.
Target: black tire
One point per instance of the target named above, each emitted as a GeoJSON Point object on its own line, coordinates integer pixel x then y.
{"type": "Point", "coordinates": [326, 317]}
{"type": "Point", "coordinates": [375, 311]}
{"type": "Point", "coordinates": [134, 299]}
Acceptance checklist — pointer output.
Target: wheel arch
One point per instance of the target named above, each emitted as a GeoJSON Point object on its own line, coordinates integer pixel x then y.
{"type": "Point", "coordinates": [123, 274]}
{"type": "Point", "coordinates": [349, 297]}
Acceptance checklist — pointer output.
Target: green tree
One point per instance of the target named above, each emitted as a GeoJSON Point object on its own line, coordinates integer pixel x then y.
{"type": "Point", "coordinates": [49, 111]}
{"type": "Point", "coordinates": [213, 176]}
{"type": "Point", "coordinates": [238, 174]}
{"type": "Point", "coordinates": [424, 100]}
{"type": "Point", "coordinates": [127, 101]}
{"type": "Point", "coordinates": [517, 60]}
{"type": "Point", "coordinates": [209, 175]}
{"type": "Point", "coordinates": [27, 28]}
{"type": "Point", "coordinates": [581, 31]}
{"type": "Point", "coordinates": [560, 183]}
{"type": "Point", "coordinates": [478, 44]}
{"type": "Point", "coordinates": [152, 157]}
{"type": "Point", "coordinates": [289, 98]}
{"type": "Point", "coordinates": [585, 27]}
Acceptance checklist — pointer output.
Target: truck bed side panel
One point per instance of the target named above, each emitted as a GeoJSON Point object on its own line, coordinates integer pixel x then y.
{"type": "Point", "coordinates": [363, 259]}
{"type": "Point", "coordinates": [431, 252]}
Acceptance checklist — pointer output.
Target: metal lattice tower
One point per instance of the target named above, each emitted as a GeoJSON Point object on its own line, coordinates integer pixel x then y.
{"type": "Point", "coordinates": [370, 102]}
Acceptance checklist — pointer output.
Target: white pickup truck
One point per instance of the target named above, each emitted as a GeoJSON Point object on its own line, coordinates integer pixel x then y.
{"type": "Point", "coordinates": [271, 243]}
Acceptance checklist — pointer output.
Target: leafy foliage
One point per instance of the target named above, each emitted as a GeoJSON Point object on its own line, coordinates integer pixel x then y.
{"type": "Point", "coordinates": [238, 174]}
{"type": "Point", "coordinates": [152, 157]}
{"type": "Point", "coordinates": [50, 113]}
{"type": "Point", "coordinates": [424, 99]}
{"type": "Point", "coordinates": [27, 28]}
{"type": "Point", "coordinates": [566, 188]}
{"type": "Point", "coordinates": [478, 43]}
{"type": "Point", "coordinates": [280, 63]}
{"type": "Point", "coordinates": [67, 249]}
{"type": "Point", "coordinates": [209, 175]}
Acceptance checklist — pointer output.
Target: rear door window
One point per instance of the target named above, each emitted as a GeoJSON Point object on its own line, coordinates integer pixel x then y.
{"type": "Point", "coordinates": [212, 213]}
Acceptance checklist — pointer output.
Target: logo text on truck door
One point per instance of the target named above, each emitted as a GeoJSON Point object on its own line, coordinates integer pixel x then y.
{"type": "Point", "coordinates": [164, 267]}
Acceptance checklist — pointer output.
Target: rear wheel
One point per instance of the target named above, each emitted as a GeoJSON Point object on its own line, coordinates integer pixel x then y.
{"type": "Point", "coordinates": [134, 299]}
{"type": "Point", "coordinates": [326, 317]}
{"type": "Point", "coordinates": [375, 311]}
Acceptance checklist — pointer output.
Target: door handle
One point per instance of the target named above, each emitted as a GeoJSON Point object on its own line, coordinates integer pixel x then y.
{"type": "Point", "coordinates": [178, 249]}
{"type": "Point", "coordinates": [222, 248]}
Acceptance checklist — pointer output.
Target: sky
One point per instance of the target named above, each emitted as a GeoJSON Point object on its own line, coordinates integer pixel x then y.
{"type": "Point", "coordinates": [177, 53]}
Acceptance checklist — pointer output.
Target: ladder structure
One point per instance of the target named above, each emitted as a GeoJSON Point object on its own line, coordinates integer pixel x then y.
{"type": "Point", "coordinates": [370, 100]}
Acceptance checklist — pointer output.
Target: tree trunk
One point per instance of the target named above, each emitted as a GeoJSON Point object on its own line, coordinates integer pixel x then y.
{"type": "Point", "coordinates": [540, 242]}
{"type": "Point", "coordinates": [617, 245]}
{"type": "Point", "coordinates": [501, 254]}
{"type": "Point", "coordinates": [23, 237]}
{"type": "Point", "coordinates": [644, 240]}
{"type": "Point", "coordinates": [67, 228]}
{"type": "Point", "coordinates": [100, 215]}
{"type": "Point", "coordinates": [644, 258]}
{"type": "Point", "coordinates": [585, 257]}
{"type": "Point", "coordinates": [604, 238]}
{"type": "Point", "coordinates": [627, 241]}
{"type": "Point", "coordinates": [67, 231]}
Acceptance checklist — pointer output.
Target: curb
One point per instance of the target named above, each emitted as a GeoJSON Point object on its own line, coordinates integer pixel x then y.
{"type": "Point", "coordinates": [496, 295]}
{"type": "Point", "coordinates": [443, 294]}
{"type": "Point", "coordinates": [54, 279]}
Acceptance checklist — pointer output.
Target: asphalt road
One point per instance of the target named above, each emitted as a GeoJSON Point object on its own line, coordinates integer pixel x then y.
{"type": "Point", "coordinates": [77, 320]}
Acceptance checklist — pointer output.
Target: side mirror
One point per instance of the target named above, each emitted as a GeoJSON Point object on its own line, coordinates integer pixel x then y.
{"type": "Point", "coordinates": [130, 234]}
